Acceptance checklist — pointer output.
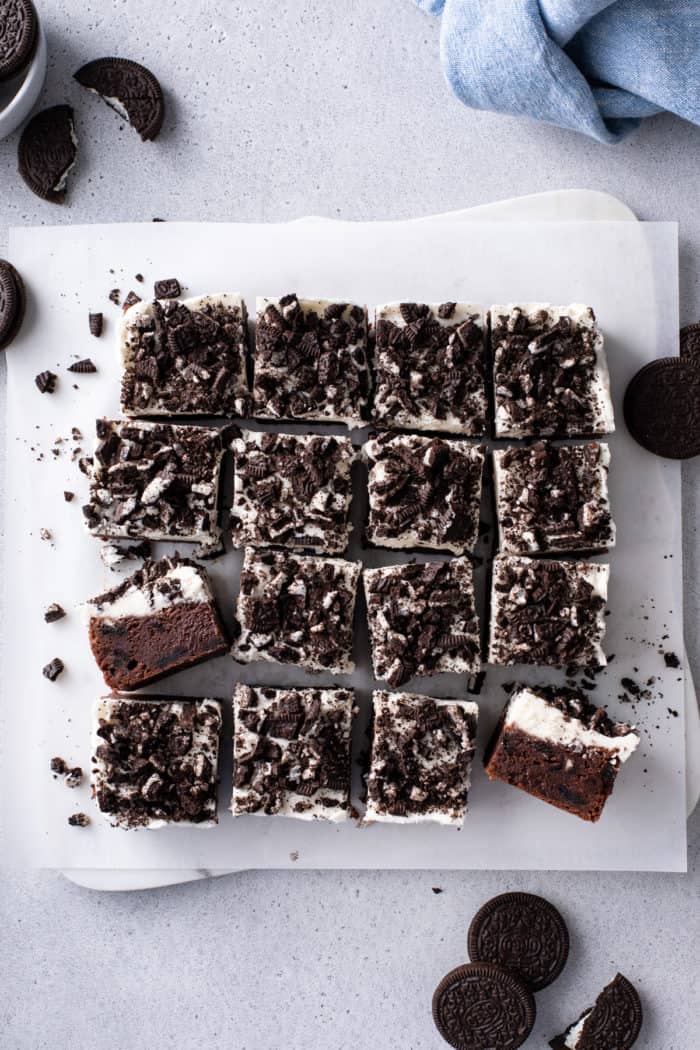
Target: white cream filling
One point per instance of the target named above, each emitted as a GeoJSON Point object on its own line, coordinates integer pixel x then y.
{"type": "Point", "coordinates": [142, 601]}
{"type": "Point", "coordinates": [574, 1034]}
{"type": "Point", "coordinates": [65, 174]}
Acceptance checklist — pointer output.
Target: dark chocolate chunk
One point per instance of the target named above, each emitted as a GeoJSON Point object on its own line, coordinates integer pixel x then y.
{"type": "Point", "coordinates": [96, 322]}
{"type": "Point", "coordinates": [18, 36]}
{"type": "Point", "coordinates": [613, 1023]}
{"type": "Point", "coordinates": [53, 669]}
{"type": "Point", "coordinates": [54, 612]}
{"type": "Point", "coordinates": [662, 407]}
{"type": "Point", "coordinates": [47, 152]}
{"type": "Point", "coordinates": [482, 1007]}
{"type": "Point", "coordinates": [79, 820]}
{"type": "Point", "coordinates": [84, 367]}
{"type": "Point", "coordinates": [12, 303]}
{"type": "Point", "coordinates": [167, 289]}
{"type": "Point", "coordinates": [69, 496]}
{"type": "Point", "coordinates": [128, 88]}
{"type": "Point", "coordinates": [131, 299]}
{"type": "Point", "coordinates": [524, 934]}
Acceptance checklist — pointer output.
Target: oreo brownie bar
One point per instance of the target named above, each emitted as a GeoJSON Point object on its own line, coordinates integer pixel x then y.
{"type": "Point", "coordinates": [429, 367]}
{"type": "Point", "coordinates": [185, 358]}
{"type": "Point", "coordinates": [156, 481]}
{"type": "Point", "coordinates": [421, 758]}
{"type": "Point", "coordinates": [296, 610]}
{"type": "Point", "coordinates": [423, 492]}
{"type": "Point", "coordinates": [311, 361]}
{"type": "Point", "coordinates": [553, 498]}
{"type": "Point", "coordinates": [159, 620]}
{"type": "Point", "coordinates": [555, 744]}
{"type": "Point", "coordinates": [155, 761]}
{"type": "Point", "coordinates": [422, 620]}
{"type": "Point", "coordinates": [291, 752]}
{"type": "Point", "coordinates": [548, 612]}
{"type": "Point", "coordinates": [292, 490]}
{"type": "Point", "coordinates": [550, 372]}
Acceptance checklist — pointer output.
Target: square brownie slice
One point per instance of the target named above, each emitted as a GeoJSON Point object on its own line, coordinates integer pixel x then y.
{"type": "Point", "coordinates": [156, 481]}
{"type": "Point", "coordinates": [424, 492]}
{"type": "Point", "coordinates": [296, 610]}
{"type": "Point", "coordinates": [156, 760]}
{"type": "Point", "coordinates": [291, 752]}
{"type": "Point", "coordinates": [421, 759]}
{"type": "Point", "coordinates": [311, 361]}
{"type": "Point", "coordinates": [185, 357]}
{"type": "Point", "coordinates": [555, 744]}
{"type": "Point", "coordinates": [550, 372]}
{"type": "Point", "coordinates": [160, 620]}
{"type": "Point", "coordinates": [548, 612]}
{"type": "Point", "coordinates": [429, 367]}
{"type": "Point", "coordinates": [422, 620]}
{"type": "Point", "coordinates": [553, 498]}
{"type": "Point", "coordinates": [292, 490]}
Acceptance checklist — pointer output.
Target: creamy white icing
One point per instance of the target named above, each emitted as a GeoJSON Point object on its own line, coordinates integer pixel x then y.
{"type": "Point", "coordinates": [153, 597]}
{"type": "Point", "coordinates": [575, 1032]}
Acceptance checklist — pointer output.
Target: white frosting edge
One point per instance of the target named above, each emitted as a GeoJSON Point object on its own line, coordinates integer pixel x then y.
{"type": "Point", "coordinates": [462, 312]}
{"type": "Point", "coordinates": [134, 601]}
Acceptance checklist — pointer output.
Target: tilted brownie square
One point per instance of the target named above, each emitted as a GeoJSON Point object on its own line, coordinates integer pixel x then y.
{"type": "Point", "coordinates": [291, 752]}
{"type": "Point", "coordinates": [553, 743]}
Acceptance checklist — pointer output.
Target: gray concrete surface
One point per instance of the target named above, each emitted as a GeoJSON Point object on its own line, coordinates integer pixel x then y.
{"type": "Point", "coordinates": [275, 110]}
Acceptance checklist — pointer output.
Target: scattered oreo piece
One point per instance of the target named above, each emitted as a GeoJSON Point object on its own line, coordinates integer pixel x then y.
{"type": "Point", "coordinates": [524, 934]}
{"type": "Point", "coordinates": [128, 88]}
{"type": "Point", "coordinates": [169, 289]}
{"type": "Point", "coordinates": [18, 35]}
{"type": "Point", "coordinates": [671, 660]}
{"type": "Point", "coordinates": [58, 766]}
{"type": "Point", "coordinates": [46, 382]}
{"type": "Point", "coordinates": [482, 1007]}
{"type": "Point", "coordinates": [53, 669]}
{"type": "Point", "coordinates": [84, 367]}
{"type": "Point", "coordinates": [662, 407]}
{"type": "Point", "coordinates": [68, 496]}
{"type": "Point", "coordinates": [12, 302]}
{"type": "Point", "coordinates": [73, 778]}
{"type": "Point", "coordinates": [47, 153]}
{"type": "Point", "coordinates": [78, 820]}
{"type": "Point", "coordinates": [115, 296]}
{"type": "Point", "coordinates": [612, 1023]}
{"type": "Point", "coordinates": [131, 299]}
{"type": "Point", "coordinates": [54, 612]}
{"type": "Point", "coordinates": [96, 322]}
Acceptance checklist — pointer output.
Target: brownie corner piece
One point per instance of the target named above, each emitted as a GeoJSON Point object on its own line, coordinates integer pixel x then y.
{"type": "Point", "coordinates": [296, 609]}
{"type": "Point", "coordinates": [424, 492]}
{"type": "Point", "coordinates": [421, 757]}
{"type": "Point", "coordinates": [159, 620]}
{"type": "Point", "coordinates": [429, 367]}
{"type": "Point", "coordinates": [550, 372]}
{"type": "Point", "coordinates": [156, 760]}
{"type": "Point", "coordinates": [185, 357]}
{"type": "Point", "coordinates": [422, 620]}
{"type": "Point", "coordinates": [547, 612]}
{"type": "Point", "coordinates": [311, 361]}
{"type": "Point", "coordinates": [291, 752]}
{"type": "Point", "coordinates": [293, 491]}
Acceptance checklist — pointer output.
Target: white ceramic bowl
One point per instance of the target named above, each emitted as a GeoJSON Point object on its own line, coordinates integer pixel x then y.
{"type": "Point", "coordinates": [19, 95]}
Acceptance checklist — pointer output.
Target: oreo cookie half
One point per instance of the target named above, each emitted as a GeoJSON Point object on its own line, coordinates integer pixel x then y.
{"type": "Point", "coordinates": [12, 303]}
{"type": "Point", "coordinates": [524, 934]}
{"type": "Point", "coordinates": [48, 150]}
{"type": "Point", "coordinates": [18, 34]}
{"type": "Point", "coordinates": [612, 1023]}
{"type": "Point", "coordinates": [482, 1007]}
{"type": "Point", "coordinates": [662, 407]}
{"type": "Point", "coordinates": [129, 89]}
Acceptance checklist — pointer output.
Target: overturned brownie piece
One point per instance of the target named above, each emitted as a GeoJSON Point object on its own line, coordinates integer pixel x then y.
{"type": "Point", "coordinates": [156, 481]}
{"type": "Point", "coordinates": [185, 358]}
{"type": "Point", "coordinates": [429, 367]}
{"type": "Point", "coordinates": [421, 758]}
{"type": "Point", "coordinates": [159, 620]}
{"type": "Point", "coordinates": [550, 372]}
{"type": "Point", "coordinates": [296, 610]}
{"type": "Point", "coordinates": [291, 752]}
{"type": "Point", "coordinates": [555, 744]}
{"type": "Point", "coordinates": [612, 1023]}
{"type": "Point", "coordinates": [155, 760]}
{"type": "Point", "coordinates": [311, 361]}
{"type": "Point", "coordinates": [548, 612]}
{"type": "Point", "coordinates": [422, 620]}
{"type": "Point", "coordinates": [292, 490]}
{"type": "Point", "coordinates": [553, 498]}
{"type": "Point", "coordinates": [423, 492]}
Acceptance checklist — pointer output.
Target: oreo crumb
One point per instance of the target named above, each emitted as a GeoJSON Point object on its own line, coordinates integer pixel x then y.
{"type": "Point", "coordinates": [139, 278]}
{"type": "Point", "coordinates": [294, 855]}
{"type": "Point", "coordinates": [54, 612]}
{"type": "Point", "coordinates": [78, 820]}
{"type": "Point", "coordinates": [68, 496]}
{"type": "Point", "coordinates": [167, 289]}
{"type": "Point", "coordinates": [58, 766]}
{"type": "Point", "coordinates": [53, 669]}
{"type": "Point", "coordinates": [115, 296]}
{"type": "Point", "coordinates": [476, 683]}
{"type": "Point", "coordinates": [673, 712]}
{"type": "Point", "coordinates": [46, 382]}
{"type": "Point", "coordinates": [45, 534]}
{"type": "Point", "coordinates": [437, 889]}
{"type": "Point", "coordinates": [131, 299]}
{"type": "Point", "coordinates": [96, 322]}
{"type": "Point", "coordinates": [84, 367]}
{"type": "Point", "coordinates": [671, 660]}
{"type": "Point", "coordinates": [73, 777]}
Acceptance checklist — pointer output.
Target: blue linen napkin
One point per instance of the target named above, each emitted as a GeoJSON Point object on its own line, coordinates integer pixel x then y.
{"type": "Point", "coordinates": [596, 66]}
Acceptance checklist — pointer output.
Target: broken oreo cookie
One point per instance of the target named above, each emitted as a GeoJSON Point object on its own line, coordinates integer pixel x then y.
{"type": "Point", "coordinates": [129, 89]}
{"type": "Point", "coordinates": [612, 1023]}
{"type": "Point", "coordinates": [47, 152]}
{"type": "Point", "coordinates": [12, 303]}
{"type": "Point", "coordinates": [524, 934]}
{"type": "Point", "coordinates": [662, 406]}
{"type": "Point", "coordinates": [480, 1006]}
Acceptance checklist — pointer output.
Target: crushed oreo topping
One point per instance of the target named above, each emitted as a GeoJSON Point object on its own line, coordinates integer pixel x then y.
{"type": "Point", "coordinates": [53, 669]}
{"type": "Point", "coordinates": [54, 612]}
{"type": "Point", "coordinates": [131, 299]}
{"type": "Point", "coordinates": [46, 382]}
{"type": "Point", "coordinates": [576, 706]}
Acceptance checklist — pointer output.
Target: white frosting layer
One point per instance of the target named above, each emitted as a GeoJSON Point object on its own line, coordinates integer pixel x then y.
{"type": "Point", "coordinates": [142, 601]}
{"type": "Point", "coordinates": [575, 1032]}
{"type": "Point", "coordinates": [530, 712]}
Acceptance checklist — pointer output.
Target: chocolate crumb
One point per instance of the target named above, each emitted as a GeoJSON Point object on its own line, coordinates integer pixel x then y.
{"type": "Point", "coordinates": [79, 820]}
{"type": "Point", "coordinates": [671, 660]}
{"type": "Point", "coordinates": [46, 382]}
{"type": "Point", "coordinates": [83, 367]}
{"type": "Point", "coordinates": [437, 889]}
{"type": "Point", "coordinates": [673, 712]}
{"type": "Point", "coordinates": [54, 612]}
{"type": "Point", "coordinates": [167, 289]}
{"type": "Point", "coordinates": [139, 278]}
{"type": "Point", "coordinates": [96, 322]}
{"type": "Point", "coordinates": [58, 766]}
{"type": "Point", "coordinates": [294, 855]}
{"type": "Point", "coordinates": [476, 683]}
{"type": "Point", "coordinates": [115, 296]}
{"type": "Point", "coordinates": [68, 496]}
{"type": "Point", "coordinates": [53, 669]}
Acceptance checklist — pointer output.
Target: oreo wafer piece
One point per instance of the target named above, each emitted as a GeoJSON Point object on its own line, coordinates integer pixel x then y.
{"type": "Point", "coordinates": [12, 303]}
{"type": "Point", "coordinates": [690, 343]}
{"type": "Point", "coordinates": [47, 152]}
{"type": "Point", "coordinates": [612, 1023]}
{"type": "Point", "coordinates": [524, 934]}
{"type": "Point", "coordinates": [662, 407]}
{"type": "Point", "coordinates": [129, 89]}
{"type": "Point", "coordinates": [18, 35]}
{"type": "Point", "coordinates": [482, 1007]}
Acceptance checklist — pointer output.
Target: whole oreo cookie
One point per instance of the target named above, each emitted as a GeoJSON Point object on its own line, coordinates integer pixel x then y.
{"type": "Point", "coordinates": [129, 89]}
{"type": "Point", "coordinates": [47, 152]}
{"type": "Point", "coordinates": [482, 1007]}
{"type": "Point", "coordinates": [524, 934]}
{"type": "Point", "coordinates": [18, 34]}
{"type": "Point", "coordinates": [12, 303]}
{"type": "Point", "coordinates": [662, 407]}
{"type": "Point", "coordinates": [613, 1023]}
